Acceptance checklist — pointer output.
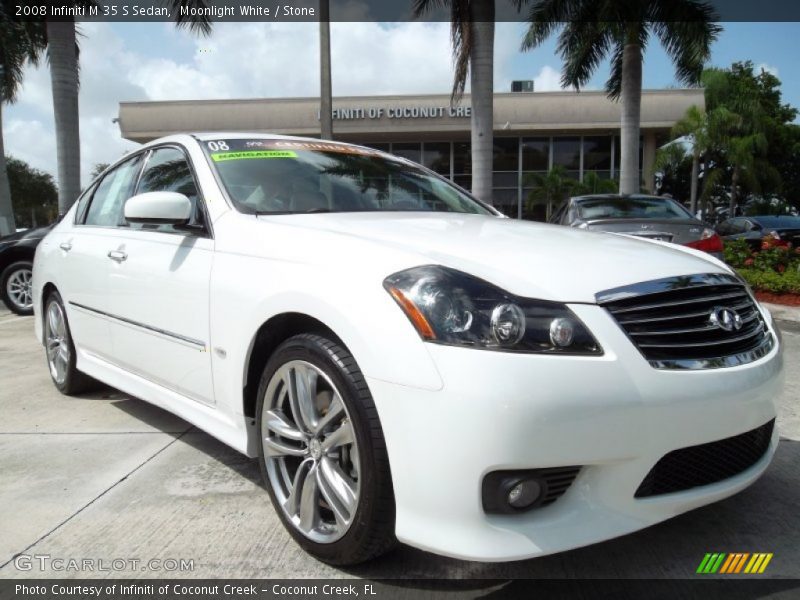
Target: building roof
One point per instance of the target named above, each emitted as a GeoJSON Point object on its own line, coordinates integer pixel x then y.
{"type": "Point", "coordinates": [420, 116]}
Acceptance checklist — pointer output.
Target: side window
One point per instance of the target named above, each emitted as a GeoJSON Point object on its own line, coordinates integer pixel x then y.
{"type": "Point", "coordinates": [168, 170]}
{"type": "Point", "coordinates": [109, 196]}
{"type": "Point", "coordinates": [83, 204]}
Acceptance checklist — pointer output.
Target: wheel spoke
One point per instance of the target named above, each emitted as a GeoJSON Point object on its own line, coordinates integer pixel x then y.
{"type": "Point", "coordinates": [338, 489]}
{"type": "Point", "coordinates": [335, 410]}
{"type": "Point", "coordinates": [339, 437]}
{"type": "Point", "coordinates": [274, 447]}
{"type": "Point", "coordinates": [280, 424]}
{"type": "Point", "coordinates": [60, 366]}
{"type": "Point", "coordinates": [301, 398]}
{"type": "Point", "coordinates": [292, 504]}
{"type": "Point", "coordinates": [63, 354]}
{"type": "Point", "coordinates": [52, 318]}
{"type": "Point", "coordinates": [309, 501]}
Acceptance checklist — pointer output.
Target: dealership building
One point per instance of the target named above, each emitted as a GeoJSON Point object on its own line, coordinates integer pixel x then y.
{"type": "Point", "coordinates": [533, 131]}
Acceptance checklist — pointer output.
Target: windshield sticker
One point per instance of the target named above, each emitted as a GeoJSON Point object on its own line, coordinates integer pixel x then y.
{"type": "Point", "coordinates": [222, 156]}
{"type": "Point", "coordinates": [314, 146]}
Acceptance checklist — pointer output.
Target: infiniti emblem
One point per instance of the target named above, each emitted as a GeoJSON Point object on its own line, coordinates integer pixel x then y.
{"type": "Point", "coordinates": [726, 319]}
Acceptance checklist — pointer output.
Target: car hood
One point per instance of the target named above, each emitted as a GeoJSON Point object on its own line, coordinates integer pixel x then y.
{"type": "Point", "coordinates": [530, 259]}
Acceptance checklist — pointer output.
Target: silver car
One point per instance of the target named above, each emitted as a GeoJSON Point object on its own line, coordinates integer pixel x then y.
{"type": "Point", "coordinates": [652, 217]}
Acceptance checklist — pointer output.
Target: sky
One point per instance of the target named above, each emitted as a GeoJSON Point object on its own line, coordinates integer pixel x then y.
{"type": "Point", "coordinates": [156, 61]}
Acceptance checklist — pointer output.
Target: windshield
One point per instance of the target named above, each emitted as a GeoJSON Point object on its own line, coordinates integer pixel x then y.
{"type": "Point", "coordinates": [285, 176]}
{"type": "Point", "coordinates": [631, 208]}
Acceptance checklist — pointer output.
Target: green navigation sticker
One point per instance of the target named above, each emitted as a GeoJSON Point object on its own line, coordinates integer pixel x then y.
{"type": "Point", "coordinates": [220, 156]}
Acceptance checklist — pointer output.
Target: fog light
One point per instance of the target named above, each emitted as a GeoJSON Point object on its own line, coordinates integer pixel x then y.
{"type": "Point", "coordinates": [561, 332]}
{"type": "Point", "coordinates": [524, 493]}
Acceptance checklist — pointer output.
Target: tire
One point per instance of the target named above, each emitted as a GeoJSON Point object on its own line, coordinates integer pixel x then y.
{"type": "Point", "coordinates": [350, 513]}
{"type": "Point", "coordinates": [15, 287]}
{"type": "Point", "coordinates": [60, 350]}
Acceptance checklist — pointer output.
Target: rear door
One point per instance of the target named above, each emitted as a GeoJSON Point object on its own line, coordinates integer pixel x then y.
{"type": "Point", "coordinates": [83, 258]}
{"type": "Point", "coordinates": [159, 285]}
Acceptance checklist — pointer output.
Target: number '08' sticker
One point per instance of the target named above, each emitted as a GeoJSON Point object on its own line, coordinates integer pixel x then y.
{"type": "Point", "coordinates": [216, 146]}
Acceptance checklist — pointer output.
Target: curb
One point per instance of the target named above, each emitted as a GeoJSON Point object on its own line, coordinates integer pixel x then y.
{"type": "Point", "coordinates": [782, 312]}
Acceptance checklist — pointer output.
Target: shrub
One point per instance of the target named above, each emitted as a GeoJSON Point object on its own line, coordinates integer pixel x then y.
{"type": "Point", "coordinates": [737, 253]}
{"type": "Point", "coordinates": [787, 282]}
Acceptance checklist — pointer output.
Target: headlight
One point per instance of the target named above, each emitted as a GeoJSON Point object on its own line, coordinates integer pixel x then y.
{"type": "Point", "coordinates": [450, 307]}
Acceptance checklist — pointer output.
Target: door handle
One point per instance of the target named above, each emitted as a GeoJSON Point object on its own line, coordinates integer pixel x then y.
{"type": "Point", "coordinates": [65, 246]}
{"type": "Point", "coordinates": [117, 256]}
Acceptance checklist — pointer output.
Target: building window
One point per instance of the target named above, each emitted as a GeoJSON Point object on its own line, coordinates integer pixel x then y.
{"type": "Point", "coordinates": [377, 146]}
{"type": "Point", "coordinates": [535, 154]}
{"type": "Point", "coordinates": [436, 156]}
{"type": "Point", "coordinates": [462, 164]}
{"type": "Point", "coordinates": [410, 151]}
{"type": "Point", "coordinates": [597, 155]}
{"type": "Point", "coordinates": [567, 154]}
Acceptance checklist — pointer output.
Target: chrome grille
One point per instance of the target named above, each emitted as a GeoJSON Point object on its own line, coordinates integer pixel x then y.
{"type": "Point", "coordinates": [693, 322]}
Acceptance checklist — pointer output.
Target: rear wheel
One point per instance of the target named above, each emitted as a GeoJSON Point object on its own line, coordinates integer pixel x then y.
{"type": "Point", "coordinates": [16, 287]}
{"type": "Point", "coordinates": [322, 452]}
{"type": "Point", "coordinates": [61, 356]}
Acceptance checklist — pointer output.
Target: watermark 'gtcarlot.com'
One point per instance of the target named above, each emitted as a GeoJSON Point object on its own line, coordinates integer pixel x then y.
{"type": "Point", "coordinates": [46, 562]}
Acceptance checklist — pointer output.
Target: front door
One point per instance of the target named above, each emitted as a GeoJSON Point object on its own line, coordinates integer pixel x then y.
{"type": "Point", "coordinates": [159, 285]}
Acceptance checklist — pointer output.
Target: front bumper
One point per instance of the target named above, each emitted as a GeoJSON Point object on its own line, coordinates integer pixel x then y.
{"type": "Point", "coordinates": [614, 414]}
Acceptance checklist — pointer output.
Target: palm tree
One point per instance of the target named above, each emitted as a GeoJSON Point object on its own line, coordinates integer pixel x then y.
{"type": "Point", "coordinates": [62, 52]}
{"type": "Point", "coordinates": [20, 43]}
{"type": "Point", "coordinates": [694, 127]}
{"type": "Point", "coordinates": [472, 37]}
{"type": "Point", "coordinates": [592, 30]}
{"type": "Point", "coordinates": [325, 88]}
{"type": "Point", "coordinates": [550, 188]}
{"type": "Point", "coordinates": [594, 184]}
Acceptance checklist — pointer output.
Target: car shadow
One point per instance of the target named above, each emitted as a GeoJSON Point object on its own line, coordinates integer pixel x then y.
{"type": "Point", "coordinates": [186, 433]}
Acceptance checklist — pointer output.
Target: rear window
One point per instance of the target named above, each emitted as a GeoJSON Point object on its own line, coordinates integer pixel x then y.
{"type": "Point", "coordinates": [631, 208]}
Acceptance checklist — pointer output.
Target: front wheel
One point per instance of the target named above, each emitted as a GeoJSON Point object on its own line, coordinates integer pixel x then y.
{"type": "Point", "coordinates": [322, 452]}
{"type": "Point", "coordinates": [16, 287]}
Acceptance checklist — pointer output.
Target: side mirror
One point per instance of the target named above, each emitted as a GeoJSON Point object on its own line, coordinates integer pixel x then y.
{"type": "Point", "coordinates": [159, 208]}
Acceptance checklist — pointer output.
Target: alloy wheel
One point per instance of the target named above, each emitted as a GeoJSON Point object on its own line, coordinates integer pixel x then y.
{"type": "Point", "coordinates": [310, 451]}
{"type": "Point", "coordinates": [58, 352]}
{"type": "Point", "coordinates": [19, 288]}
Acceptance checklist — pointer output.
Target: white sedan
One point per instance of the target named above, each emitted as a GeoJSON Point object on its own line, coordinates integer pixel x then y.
{"type": "Point", "coordinates": [405, 363]}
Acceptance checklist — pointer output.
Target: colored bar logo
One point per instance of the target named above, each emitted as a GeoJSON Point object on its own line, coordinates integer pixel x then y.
{"type": "Point", "coordinates": [734, 562]}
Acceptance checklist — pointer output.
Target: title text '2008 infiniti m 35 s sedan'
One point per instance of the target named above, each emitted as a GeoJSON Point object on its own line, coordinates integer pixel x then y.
{"type": "Point", "coordinates": [405, 363]}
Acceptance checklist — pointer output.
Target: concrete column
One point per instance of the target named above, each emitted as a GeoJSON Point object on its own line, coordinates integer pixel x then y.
{"type": "Point", "coordinates": [648, 160]}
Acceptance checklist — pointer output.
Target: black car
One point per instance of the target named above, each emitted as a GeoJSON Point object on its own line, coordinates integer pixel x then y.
{"type": "Point", "coordinates": [16, 268]}
{"type": "Point", "coordinates": [754, 229]}
{"type": "Point", "coordinates": [653, 217]}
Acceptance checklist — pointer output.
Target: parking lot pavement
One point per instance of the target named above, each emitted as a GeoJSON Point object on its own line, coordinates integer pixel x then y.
{"type": "Point", "coordinates": [105, 477]}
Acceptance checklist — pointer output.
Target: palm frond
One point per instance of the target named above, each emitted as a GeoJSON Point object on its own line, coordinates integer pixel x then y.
{"type": "Point", "coordinates": [583, 45]}
{"type": "Point", "coordinates": [21, 43]}
{"type": "Point", "coordinates": [461, 40]}
{"type": "Point", "coordinates": [200, 23]}
{"type": "Point", "coordinates": [420, 8]}
{"type": "Point", "coordinates": [545, 17]}
{"type": "Point", "coordinates": [687, 31]}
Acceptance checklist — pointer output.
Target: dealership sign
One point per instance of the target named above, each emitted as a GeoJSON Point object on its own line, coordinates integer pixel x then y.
{"type": "Point", "coordinates": [400, 112]}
